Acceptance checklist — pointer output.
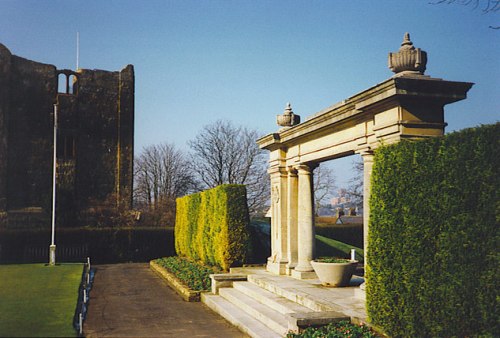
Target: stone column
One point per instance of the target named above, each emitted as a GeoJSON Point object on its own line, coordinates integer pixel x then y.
{"type": "Point", "coordinates": [292, 233]}
{"type": "Point", "coordinates": [277, 262]}
{"type": "Point", "coordinates": [305, 217]}
{"type": "Point", "coordinates": [367, 173]}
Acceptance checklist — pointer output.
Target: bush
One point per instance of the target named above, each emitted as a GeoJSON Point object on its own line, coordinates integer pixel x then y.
{"type": "Point", "coordinates": [211, 226]}
{"type": "Point", "coordinates": [103, 245]}
{"type": "Point", "coordinates": [260, 241]}
{"type": "Point", "coordinates": [340, 329]}
{"type": "Point", "coordinates": [329, 247]}
{"type": "Point", "coordinates": [196, 276]}
{"type": "Point", "coordinates": [434, 236]}
{"type": "Point", "coordinates": [351, 234]}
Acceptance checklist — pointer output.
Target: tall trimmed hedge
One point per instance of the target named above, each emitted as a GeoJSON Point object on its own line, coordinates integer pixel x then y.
{"type": "Point", "coordinates": [434, 264]}
{"type": "Point", "coordinates": [212, 226]}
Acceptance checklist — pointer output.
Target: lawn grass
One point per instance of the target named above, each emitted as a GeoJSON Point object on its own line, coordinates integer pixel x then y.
{"type": "Point", "coordinates": [330, 247]}
{"type": "Point", "coordinates": [38, 300]}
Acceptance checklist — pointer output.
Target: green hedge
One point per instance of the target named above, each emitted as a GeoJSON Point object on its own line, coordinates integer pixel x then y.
{"type": "Point", "coordinates": [434, 236]}
{"type": "Point", "coordinates": [194, 275]}
{"type": "Point", "coordinates": [103, 245]}
{"type": "Point", "coordinates": [346, 233]}
{"type": "Point", "coordinates": [211, 226]}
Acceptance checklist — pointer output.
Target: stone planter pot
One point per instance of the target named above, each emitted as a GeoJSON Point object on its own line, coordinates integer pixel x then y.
{"type": "Point", "coordinates": [334, 274]}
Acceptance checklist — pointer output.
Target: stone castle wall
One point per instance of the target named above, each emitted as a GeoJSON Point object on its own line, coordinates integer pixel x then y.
{"type": "Point", "coordinates": [95, 136]}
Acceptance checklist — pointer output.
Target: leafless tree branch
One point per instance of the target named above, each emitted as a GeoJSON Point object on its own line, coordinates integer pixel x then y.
{"type": "Point", "coordinates": [162, 173]}
{"type": "Point", "coordinates": [487, 6]}
{"type": "Point", "coordinates": [324, 184]}
{"type": "Point", "coordinates": [225, 154]}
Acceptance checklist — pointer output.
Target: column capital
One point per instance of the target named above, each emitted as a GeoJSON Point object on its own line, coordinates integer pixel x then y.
{"type": "Point", "coordinates": [305, 169]}
{"type": "Point", "coordinates": [292, 171]}
{"type": "Point", "coordinates": [277, 170]}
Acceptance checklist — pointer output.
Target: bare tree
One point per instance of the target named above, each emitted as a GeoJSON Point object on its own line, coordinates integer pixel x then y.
{"type": "Point", "coordinates": [162, 173]}
{"type": "Point", "coordinates": [324, 185]}
{"type": "Point", "coordinates": [486, 6]}
{"type": "Point", "coordinates": [355, 188]}
{"type": "Point", "coordinates": [225, 154]}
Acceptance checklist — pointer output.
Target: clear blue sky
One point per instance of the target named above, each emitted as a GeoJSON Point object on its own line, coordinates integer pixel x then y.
{"type": "Point", "coordinates": [199, 61]}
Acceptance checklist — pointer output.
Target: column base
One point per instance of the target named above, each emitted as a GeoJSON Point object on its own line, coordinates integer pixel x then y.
{"type": "Point", "coordinates": [290, 268]}
{"type": "Point", "coordinates": [304, 274]}
{"type": "Point", "coordinates": [278, 268]}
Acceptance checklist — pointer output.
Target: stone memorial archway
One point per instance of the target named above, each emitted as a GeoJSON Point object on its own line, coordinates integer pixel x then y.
{"type": "Point", "coordinates": [409, 105]}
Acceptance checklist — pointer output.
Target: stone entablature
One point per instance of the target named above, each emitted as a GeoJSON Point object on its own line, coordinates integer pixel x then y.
{"type": "Point", "coordinates": [409, 105]}
{"type": "Point", "coordinates": [400, 107]}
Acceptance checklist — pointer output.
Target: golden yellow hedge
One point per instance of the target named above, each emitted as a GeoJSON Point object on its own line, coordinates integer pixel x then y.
{"type": "Point", "coordinates": [211, 226]}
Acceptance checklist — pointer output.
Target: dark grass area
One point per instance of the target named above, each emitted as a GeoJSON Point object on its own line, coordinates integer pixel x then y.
{"type": "Point", "coordinates": [351, 234]}
{"type": "Point", "coordinates": [330, 247]}
{"type": "Point", "coordinates": [38, 300]}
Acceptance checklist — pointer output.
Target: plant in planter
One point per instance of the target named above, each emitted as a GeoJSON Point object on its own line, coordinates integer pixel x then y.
{"type": "Point", "coordinates": [333, 271]}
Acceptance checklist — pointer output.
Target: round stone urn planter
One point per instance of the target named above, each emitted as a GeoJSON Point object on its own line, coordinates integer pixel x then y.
{"type": "Point", "coordinates": [334, 272]}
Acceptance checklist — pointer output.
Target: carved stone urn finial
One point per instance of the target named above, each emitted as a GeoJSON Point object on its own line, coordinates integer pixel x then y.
{"type": "Point", "coordinates": [408, 60]}
{"type": "Point", "coordinates": [288, 119]}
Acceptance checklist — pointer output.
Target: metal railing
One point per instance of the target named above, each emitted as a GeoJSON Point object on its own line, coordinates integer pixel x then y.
{"type": "Point", "coordinates": [83, 297]}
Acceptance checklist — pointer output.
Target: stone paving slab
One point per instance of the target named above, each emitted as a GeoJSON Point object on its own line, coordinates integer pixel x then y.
{"type": "Point", "coordinates": [129, 300]}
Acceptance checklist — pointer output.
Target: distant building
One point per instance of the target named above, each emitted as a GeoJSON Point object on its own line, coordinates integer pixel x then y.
{"type": "Point", "coordinates": [95, 139]}
{"type": "Point", "coordinates": [341, 198]}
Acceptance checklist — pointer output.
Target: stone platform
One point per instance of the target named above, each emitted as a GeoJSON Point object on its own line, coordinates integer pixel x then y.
{"type": "Point", "coordinates": [267, 305]}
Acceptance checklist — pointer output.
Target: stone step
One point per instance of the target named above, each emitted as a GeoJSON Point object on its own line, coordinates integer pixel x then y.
{"type": "Point", "coordinates": [274, 301]}
{"type": "Point", "coordinates": [293, 294]}
{"type": "Point", "coordinates": [270, 317]}
{"type": "Point", "coordinates": [239, 318]}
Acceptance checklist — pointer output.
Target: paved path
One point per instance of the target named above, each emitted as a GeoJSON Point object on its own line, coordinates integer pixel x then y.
{"type": "Point", "coordinates": [129, 300]}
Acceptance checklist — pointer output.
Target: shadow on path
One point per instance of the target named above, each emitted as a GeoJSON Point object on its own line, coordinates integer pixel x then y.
{"type": "Point", "coordinates": [129, 300]}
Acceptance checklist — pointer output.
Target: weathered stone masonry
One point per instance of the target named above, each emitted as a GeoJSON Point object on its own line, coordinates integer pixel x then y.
{"type": "Point", "coordinates": [95, 136]}
{"type": "Point", "coordinates": [409, 105]}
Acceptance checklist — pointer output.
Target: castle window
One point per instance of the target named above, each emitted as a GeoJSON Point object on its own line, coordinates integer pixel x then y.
{"type": "Point", "coordinates": [61, 83]}
{"type": "Point", "coordinates": [67, 81]}
{"type": "Point", "coordinates": [73, 88]}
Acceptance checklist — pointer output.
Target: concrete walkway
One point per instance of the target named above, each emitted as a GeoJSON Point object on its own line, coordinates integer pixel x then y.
{"type": "Point", "coordinates": [129, 300]}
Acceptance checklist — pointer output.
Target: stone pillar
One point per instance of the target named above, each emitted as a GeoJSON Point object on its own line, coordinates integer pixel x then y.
{"type": "Point", "coordinates": [367, 173]}
{"type": "Point", "coordinates": [278, 260]}
{"type": "Point", "coordinates": [305, 217]}
{"type": "Point", "coordinates": [292, 233]}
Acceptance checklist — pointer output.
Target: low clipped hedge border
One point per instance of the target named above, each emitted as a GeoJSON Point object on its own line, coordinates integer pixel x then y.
{"type": "Point", "coordinates": [194, 275]}
{"type": "Point", "coordinates": [340, 329]}
{"type": "Point", "coordinates": [434, 236]}
{"type": "Point", "coordinates": [211, 226]}
{"type": "Point", "coordinates": [103, 245]}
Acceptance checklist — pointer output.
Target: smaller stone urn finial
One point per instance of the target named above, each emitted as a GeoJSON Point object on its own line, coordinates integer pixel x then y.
{"type": "Point", "coordinates": [288, 118]}
{"type": "Point", "coordinates": [408, 60]}
{"type": "Point", "coordinates": [406, 41]}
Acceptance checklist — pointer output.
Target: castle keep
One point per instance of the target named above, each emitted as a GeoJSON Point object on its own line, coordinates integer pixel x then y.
{"type": "Point", "coordinates": [95, 139]}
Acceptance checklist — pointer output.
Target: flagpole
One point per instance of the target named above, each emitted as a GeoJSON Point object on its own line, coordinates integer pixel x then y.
{"type": "Point", "coordinates": [77, 50]}
{"type": "Point", "coordinates": [52, 248]}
